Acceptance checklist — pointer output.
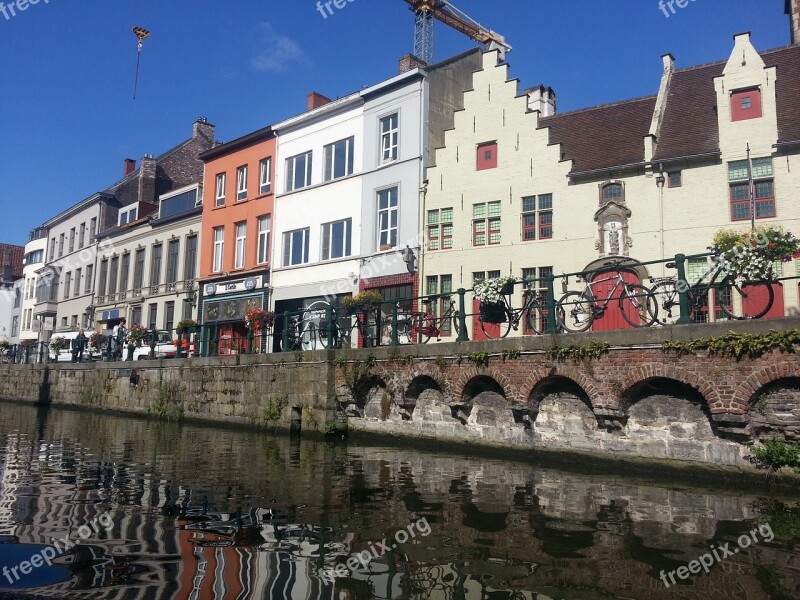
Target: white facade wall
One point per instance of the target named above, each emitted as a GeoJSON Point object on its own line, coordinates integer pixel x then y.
{"type": "Point", "coordinates": [29, 278]}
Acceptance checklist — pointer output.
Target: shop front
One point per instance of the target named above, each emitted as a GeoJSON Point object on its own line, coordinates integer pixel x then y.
{"type": "Point", "coordinates": [224, 306]}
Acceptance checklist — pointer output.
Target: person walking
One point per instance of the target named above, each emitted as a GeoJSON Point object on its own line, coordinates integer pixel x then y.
{"type": "Point", "coordinates": [80, 344]}
{"type": "Point", "coordinates": [122, 333]}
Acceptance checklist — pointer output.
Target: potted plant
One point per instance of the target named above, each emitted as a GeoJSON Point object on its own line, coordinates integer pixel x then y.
{"type": "Point", "coordinates": [259, 319]}
{"type": "Point", "coordinates": [750, 255]}
{"type": "Point", "coordinates": [57, 344]}
{"type": "Point", "coordinates": [137, 334]}
{"type": "Point", "coordinates": [490, 293]}
{"type": "Point", "coordinates": [362, 302]}
{"type": "Point", "coordinates": [187, 326]}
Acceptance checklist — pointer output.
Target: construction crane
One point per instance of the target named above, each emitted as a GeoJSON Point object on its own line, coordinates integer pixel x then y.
{"type": "Point", "coordinates": [425, 11]}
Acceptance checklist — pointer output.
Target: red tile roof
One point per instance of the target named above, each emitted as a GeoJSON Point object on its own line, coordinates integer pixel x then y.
{"type": "Point", "coordinates": [787, 89]}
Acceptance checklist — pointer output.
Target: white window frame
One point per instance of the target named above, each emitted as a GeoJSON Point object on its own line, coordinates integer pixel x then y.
{"type": "Point", "coordinates": [241, 183]}
{"type": "Point", "coordinates": [330, 158]}
{"type": "Point", "coordinates": [389, 138]}
{"type": "Point", "coordinates": [219, 249]}
{"type": "Point", "coordinates": [220, 198]}
{"type": "Point", "coordinates": [385, 230]}
{"type": "Point", "coordinates": [265, 176]}
{"type": "Point", "coordinates": [241, 245]}
{"type": "Point", "coordinates": [127, 216]}
{"type": "Point", "coordinates": [291, 166]}
{"type": "Point", "coordinates": [327, 238]}
{"type": "Point", "coordinates": [264, 231]}
{"type": "Point", "coordinates": [288, 246]}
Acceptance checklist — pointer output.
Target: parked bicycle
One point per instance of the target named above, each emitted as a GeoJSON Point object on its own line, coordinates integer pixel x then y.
{"type": "Point", "coordinates": [307, 330]}
{"type": "Point", "coordinates": [533, 310]}
{"type": "Point", "coordinates": [420, 326]}
{"type": "Point", "coordinates": [737, 300]}
{"type": "Point", "coordinates": [576, 311]}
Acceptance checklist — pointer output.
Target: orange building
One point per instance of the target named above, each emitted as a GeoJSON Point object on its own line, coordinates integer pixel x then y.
{"type": "Point", "coordinates": [237, 225]}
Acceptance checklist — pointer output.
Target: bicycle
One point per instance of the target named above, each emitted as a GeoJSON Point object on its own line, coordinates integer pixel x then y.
{"type": "Point", "coordinates": [420, 326]}
{"type": "Point", "coordinates": [748, 300]}
{"type": "Point", "coordinates": [576, 311]}
{"type": "Point", "coordinates": [307, 329]}
{"type": "Point", "coordinates": [533, 307]}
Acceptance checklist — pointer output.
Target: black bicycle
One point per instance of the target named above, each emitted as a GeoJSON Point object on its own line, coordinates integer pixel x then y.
{"type": "Point", "coordinates": [533, 311]}
{"type": "Point", "coordinates": [739, 300]}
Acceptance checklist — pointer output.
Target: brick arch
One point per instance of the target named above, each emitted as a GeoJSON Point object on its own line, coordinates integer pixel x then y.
{"type": "Point", "coordinates": [589, 385]}
{"type": "Point", "coordinates": [747, 391]}
{"type": "Point", "coordinates": [660, 370]}
{"type": "Point", "coordinates": [511, 390]}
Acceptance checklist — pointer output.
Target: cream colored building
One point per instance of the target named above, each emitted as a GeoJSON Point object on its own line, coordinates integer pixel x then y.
{"type": "Point", "coordinates": [519, 190]}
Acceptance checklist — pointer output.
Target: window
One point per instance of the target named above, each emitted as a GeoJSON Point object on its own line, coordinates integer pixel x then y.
{"type": "Point", "coordinates": [295, 247]}
{"type": "Point", "coordinates": [18, 297]}
{"type": "Point", "coordinates": [152, 316]}
{"type": "Point", "coordinates": [487, 156]}
{"type": "Point", "coordinates": [89, 279]}
{"type": "Point", "coordinates": [298, 172]}
{"type": "Point", "coordinates": [173, 252]}
{"type": "Point", "coordinates": [82, 235]}
{"type": "Point", "coordinates": [241, 242]}
{"type": "Point", "coordinates": [169, 316]}
{"type": "Point", "coordinates": [101, 288]}
{"type": "Point", "coordinates": [440, 229]}
{"type": "Point", "coordinates": [336, 239]}
{"type": "Point", "coordinates": [15, 326]}
{"type": "Point", "coordinates": [762, 190]}
{"type": "Point", "coordinates": [52, 248]}
{"type": "Point", "coordinates": [220, 198]}
{"type": "Point", "coordinates": [136, 316]}
{"type": "Point", "coordinates": [63, 322]}
{"type": "Point", "coordinates": [74, 322]}
{"type": "Point", "coordinates": [435, 285]}
{"type": "Point", "coordinates": [219, 248]}
{"type": "Point", "coordinates": [113, 274]}
{"type": "Point", "coordinates": [77, 289]}
{"type": "Point", "coordinates": [138, 270]}
{"type": "Point", "coordinates": [67, 284]}
{"type": "Point", "coordinates": [612, 192]}
{"type": "Point", "coordinates": [536, 285]}
{"type": "Point", "coordinates": [265, 176]}
{"type": "Point", "coordinates": [675, 180]}
{"type": "Point", "coordinates": [61, 245]}
{"type": "Point", "coordinates": [124, 269]}
{"type": "Point", "coordinates": [389, 138]}
{"type": "Point", "coordinates": [339, 159]}
{"type": "Point", "coordinates": [486, 220]}
{"type": "Point", "coordinates": [746, 104]}
{"type": "Point", "coordinates": [72, 240]}
{"type": "Point", "coordinates": [264, 225]}
{"type": "Point", "coordinates": [190, 261]}
{"type": "Point", "coordinates": [155, 265]}
{"type": "Point", "coordinates": [179, 203]}
{"type": "Point", "coordinates": [92, 230]}
{"type": "Point", "coordinates": [241, 183]}
{"type": "Point", "coordinates": [387, 218]}
{"type": "Point", "coordinates": [128, 215]}
{"type": "Point", "coordinates": [537, 217]}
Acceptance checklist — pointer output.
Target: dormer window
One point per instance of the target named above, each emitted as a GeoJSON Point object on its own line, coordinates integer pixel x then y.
{"type": "Point", "coordinates": [746, 104]}
{"type": "Point", "coordinates": [612, 192]}
{"type": "Point", "coordinates": [128, 215]}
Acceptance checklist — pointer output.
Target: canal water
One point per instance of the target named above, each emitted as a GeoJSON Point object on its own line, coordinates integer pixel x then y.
{"type": "Point", "coordinates": [116, 507]}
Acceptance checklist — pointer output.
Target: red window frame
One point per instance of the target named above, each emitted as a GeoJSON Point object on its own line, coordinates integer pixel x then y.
{"type": "Point", "coordinates": [491, 230]}
{"type": "Point", "coordinates": [544, 234]}
{"type": "Point", "coordinates": [760, 201]}
{"type": "Point", "coordinates": [433, 236]}
{"type": "Point", "coordinates": [475, 232]}
{"type": "Point", "coordinates": [741, 113]}
{"type": "Point", "coordinates": [487, 156]}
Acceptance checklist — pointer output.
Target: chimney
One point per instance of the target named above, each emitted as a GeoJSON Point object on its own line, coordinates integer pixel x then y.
{"type": "Point", "coordinates": [203, 129]}
{"type": "Point", "coordinates": [316, 100]}
{"type": "Point", "coordinates": [793, 10]}
{"type": "Point", "coordinates": [542, 99]}
{"type": "Point", "coordinates": [147, 179]}
{"type": "Point", "coordinates": [129, 166]}
{"type": "Point", "coordinates": [409, 62]}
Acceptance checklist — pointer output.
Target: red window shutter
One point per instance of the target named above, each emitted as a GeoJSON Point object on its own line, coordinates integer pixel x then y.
{"type": "Point", "coordinates": [746, 105]}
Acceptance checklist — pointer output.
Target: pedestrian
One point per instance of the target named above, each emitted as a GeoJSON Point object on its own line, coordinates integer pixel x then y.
{"type": "Point", "coordinates": [122, 333]}
{"type": "Point", "coordinates": [80, 344]}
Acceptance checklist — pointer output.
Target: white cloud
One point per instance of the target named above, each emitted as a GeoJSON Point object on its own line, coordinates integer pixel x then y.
{"type": "Point", "coordinates": [274, 51]}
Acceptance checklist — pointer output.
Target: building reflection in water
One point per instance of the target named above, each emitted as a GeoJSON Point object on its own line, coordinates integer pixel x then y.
{"type": "Point", "coordinates": [203, 513]}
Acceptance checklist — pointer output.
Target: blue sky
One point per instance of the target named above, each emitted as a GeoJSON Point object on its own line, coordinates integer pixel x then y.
{"type": "Point", "coordinates": [68, 118]}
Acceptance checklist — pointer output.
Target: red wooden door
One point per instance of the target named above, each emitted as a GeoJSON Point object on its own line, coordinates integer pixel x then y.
{"type": "Point", "coordinates": [612, 319]}
{"type": "Point", "coordinates": [477, 331]}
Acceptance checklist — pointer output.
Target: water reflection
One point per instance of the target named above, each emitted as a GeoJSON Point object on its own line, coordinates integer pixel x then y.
{"type": "Point", "coordinates": [204, 513]}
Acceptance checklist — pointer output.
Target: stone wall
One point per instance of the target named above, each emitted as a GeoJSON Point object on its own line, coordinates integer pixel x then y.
{"type": "Point", "coordinates": [633, 401]}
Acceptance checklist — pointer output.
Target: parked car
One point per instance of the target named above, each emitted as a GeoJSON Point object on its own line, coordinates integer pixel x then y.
{"type": "Point", "coordinates": [165, 347]}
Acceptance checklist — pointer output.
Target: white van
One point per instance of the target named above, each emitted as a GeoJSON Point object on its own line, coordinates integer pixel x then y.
{"type": "Point", "coordinates": [165, 347]}
{"type": "Point", "coordinates": [65, 354]}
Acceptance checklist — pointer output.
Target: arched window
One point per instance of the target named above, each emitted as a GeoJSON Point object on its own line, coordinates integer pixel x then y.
{"type": "Point", "coordinates": [612, 192]}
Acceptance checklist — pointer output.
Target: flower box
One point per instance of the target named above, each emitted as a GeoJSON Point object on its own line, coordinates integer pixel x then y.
{"type": "Point", "coordinates": [492, 290]}
{"type": "Point", "coordinates": [749, 256]}
{"type": "Point", "coordinates": [492, 312]}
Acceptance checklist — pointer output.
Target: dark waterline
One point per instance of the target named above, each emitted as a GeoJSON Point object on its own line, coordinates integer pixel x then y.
{"type": "Point", "coordinates": [168, 511]}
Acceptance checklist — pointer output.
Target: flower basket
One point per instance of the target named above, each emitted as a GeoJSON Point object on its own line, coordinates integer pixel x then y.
{"type": "Point", "coordinates": [57, 344]}
{"type": "Point", "coordinates": [749, 256]}
{"type": "Point", "coordinates": [259, 319]}
{"type": "Point", "coordinates": [366, 301]}
{"type": "Point", "coordinates": [136, 335]}
{"type": "Point", "coordinates": [97, 340]}
{"type": "Point", "coordinates": [492, 290]}
{"type": "Point", "coordinates": [492, 312]}
{"type": "Point", "coordinates": [187, 326]}
{"type": "Point", "coordinates": [507, 289]}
